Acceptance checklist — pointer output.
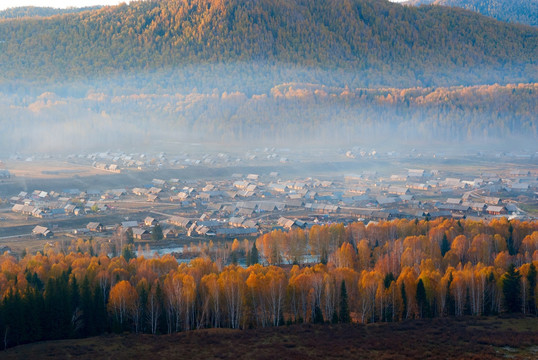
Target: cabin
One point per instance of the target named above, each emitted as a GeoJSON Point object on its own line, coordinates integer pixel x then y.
{"type": "Point", "coordinates": [23, 209]}
{"type": "Point", "coordinates": [278, 187]}
{"type": "Point", "coordinates": [95, 227]}
{"type": "Point", "coordinates": [149, 221]}
{"type": "Point", "coordinates": [267, 207]}
{"type": "Point", "coordinates": [250, 224]}
{"type": "Point", "coordinates": [421, 186]}
{"type": "Point", "coordinates": [291, 224]}
{"type": "Point", "coordinates": [139, 191]}
{"type": "Point", "coordinates": [398, 178]}
{"type": "Point", "coordinates": [496, 210]}
{"type": "Point", "coordinates": [169, 234]}
{"type": "Point", "coordinates": [453, 207]}
{"type": "Point", "coordinates": [158, 182]}
{"type": "Point", "coordinates": [361, 190]}
{"type": "Point", "coordinates": [42, 231]}
{"type": "Point", "coordinates": [492, 200]}
{"type": "Point", "coordinates": [399, 190]}
{"type": "Point", "coordinates": [439, 214]}
{"type": "Point", "coordinates": [180, 221]}
{"type": "Point", "coordinates": [415, 173]}
{"type": "Point", "coordinates": [236, 221]}
{"type": "Point", "coordinates": [384, 200]}
{"type": "Point", "coordinates": [129, 224]}
{"type": "Point", "coordinates": [116, 193]}
{"type": "Point", "coordinates": [520, 187]}
{"type": "Point", "coordinates": [141, 234]}
{"type": "Point", "coordinates": [241, 184]}
{"type": "Point", "coordinates": [476, 206]}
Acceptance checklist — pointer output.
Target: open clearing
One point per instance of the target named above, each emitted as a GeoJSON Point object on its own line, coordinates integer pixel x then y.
{"type": "Point", "coordinates": [443, 338]}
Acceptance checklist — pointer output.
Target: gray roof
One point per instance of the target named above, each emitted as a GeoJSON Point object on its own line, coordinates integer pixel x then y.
{"type": "Point", "coordinates": [139, 231]}
{"type": "Point", "coordinates": [128, 224]}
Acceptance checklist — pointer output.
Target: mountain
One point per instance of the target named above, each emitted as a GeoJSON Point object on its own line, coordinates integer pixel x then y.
{"type": "Point", "coordinates": [515, 11]}
{"type": "Point", "coordinates": [431, 44]}
{"type": "Point", "coordinates": [34, 11]}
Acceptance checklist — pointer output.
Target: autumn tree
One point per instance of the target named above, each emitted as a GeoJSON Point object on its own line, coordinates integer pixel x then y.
{"type": "Point", "coordinates": [123, 302]}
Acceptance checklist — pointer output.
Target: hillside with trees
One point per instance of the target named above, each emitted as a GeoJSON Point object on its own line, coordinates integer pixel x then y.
{"type": "Point", "coordinates": [383, 272]}
{"type": "Point", "coordinates": [515, 11]}
{"type": "Point", "coordinates": [34, 11]}
{"type": "Point", "coordinates": [357, 35]}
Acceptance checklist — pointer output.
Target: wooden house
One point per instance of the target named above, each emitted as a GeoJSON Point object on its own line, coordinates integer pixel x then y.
{"type": "Point", "coordinates": [95, 227]}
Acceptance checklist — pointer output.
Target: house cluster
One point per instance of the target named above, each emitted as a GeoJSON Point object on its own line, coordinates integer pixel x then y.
{"type": "Point", "coordinates": [419, 193]}
{"type": "Point", "coordinates": [141, 230]}
{"type": "Point", "coordinates": [235, 226]}
{"type": "Point", "coordinates": [52, 204]}
{"type": "Point", "coordinates": [252, 203]}
{"type": "Point", "coordinates": [120, 161]}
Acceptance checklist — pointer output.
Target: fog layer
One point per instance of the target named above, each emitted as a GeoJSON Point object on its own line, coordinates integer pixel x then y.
{"type": "Point", "coordinates": [231, 105]}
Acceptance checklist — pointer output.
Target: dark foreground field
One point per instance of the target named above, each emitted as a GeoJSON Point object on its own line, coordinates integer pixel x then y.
{"type": "Point", "coordinates": [470, 338]}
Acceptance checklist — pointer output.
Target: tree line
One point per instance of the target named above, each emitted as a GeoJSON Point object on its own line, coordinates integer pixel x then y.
{"type": "Point", "coordinates": [517, 11]}
{"type": "Point", "coordinates": [389, 271]}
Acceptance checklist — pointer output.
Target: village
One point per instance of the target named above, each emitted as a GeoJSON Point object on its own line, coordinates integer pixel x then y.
{"type": "Point", "coordinates": [273, 195]}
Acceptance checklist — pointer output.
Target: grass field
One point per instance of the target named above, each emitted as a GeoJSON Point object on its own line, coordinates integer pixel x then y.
{"type": "Point", "coordinates": [465, 338]}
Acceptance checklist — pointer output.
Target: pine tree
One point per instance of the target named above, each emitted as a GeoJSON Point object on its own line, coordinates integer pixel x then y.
{"type": "Point", "coordinates": [129, 236]}
{"type": "Point", "coordinates": [143, 303]}
{"type": "Point", "coordinates": [531, 280]}
{"type": "Point", "coordinates": [99, 310]}
{"type": "Point", "coordinates": [254, 257]}
{"type": "Point", "coordinates": [445, 246]}
{"type": "Point", "coordinates": [157, 233]}
{"type": "Point", "coordinates": [74, 307]}
{"type": "Point", "coordinates": [450, 303]}
{"type": "Point", "coordinates": [389, 278]}
{"type": "Point", "coordinates": [512, 289]}
{"type": "Point", "coordinates": [422, 300]}
{"type": "Point", "coordinates": [317, 316]}
{"type": "Point", "coordinates": [128, 252]}
{"type": "Point", "coordinates": [345, 316]}
{"type": "Point", "coordinates": [324, 257]}
{"type": "Point", "coordinates": [334, 319]}
{"type": "Point", "coordinates": [491, 285]}
{"type": "Point", "coordinates": [87, 307]}
{"type": "Point", "coordinates": [467, 309]}
{"type": "Point", "coordinates": [404, 301]}
{"type": "Point", "coordinates": [233, 258]}
{"type": "Point", "coordinates": [510, 241]}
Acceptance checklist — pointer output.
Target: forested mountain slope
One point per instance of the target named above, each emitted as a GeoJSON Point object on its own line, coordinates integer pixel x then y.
{"type": "Point", "coordinates": [517, 11]}
{"type": "Point", "coordinates": [352, 34]}
{"type": "Point", "coordinates": [35, 11]}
